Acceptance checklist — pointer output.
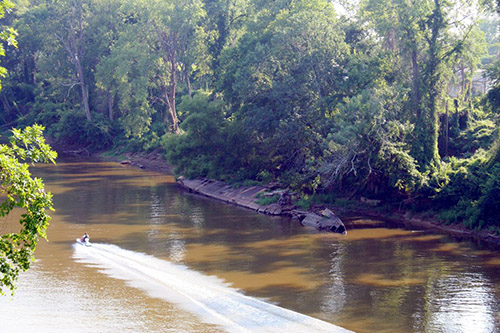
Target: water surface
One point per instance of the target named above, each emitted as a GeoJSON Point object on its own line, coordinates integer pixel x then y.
{"type": "Point", "coordinates": [382, 280]}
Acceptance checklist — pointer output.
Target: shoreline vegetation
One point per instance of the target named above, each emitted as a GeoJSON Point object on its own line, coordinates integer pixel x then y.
{"type": "Point", "coordinates": [349, 210]}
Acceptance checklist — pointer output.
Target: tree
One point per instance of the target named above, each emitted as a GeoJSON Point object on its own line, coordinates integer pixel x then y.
{"type": "Point", "coordinates": [70, 32]}
{"type": "Point", "coordinates": [52, 60]}
{"type": "Point", "coordinates": [20, 190]}
{"type": "Point", "coordinates": [157, 45]}
{"type": "Point", "coordinates": [125, 72]}
{"type": "Point", "coordinates": [179, 41]}
{"type": "Point", "coordinates": [224, 20]}
{"type": "Point", "coordinates": [367, 151]}
{"type": "Point", "coordinates": [280, 79]}
{"type": "Point", "coordinates": [424, 40]}
{"type": "Point", "coordinates": [203, 138]}
{"type": "Point", "coordinates": [106, 21]}
{"type": "Point", "coordinates": [8, 34]}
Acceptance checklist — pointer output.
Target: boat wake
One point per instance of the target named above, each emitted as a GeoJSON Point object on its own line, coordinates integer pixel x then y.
{"type": "Point", "coordinates": [207, 296]}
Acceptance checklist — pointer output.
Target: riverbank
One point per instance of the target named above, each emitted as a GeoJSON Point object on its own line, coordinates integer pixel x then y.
{"type": "Point", "coordinates": [404, 219]}
{"type": "Point", "coordinates": [153, 160]}
{"type": "Point", "coordinates": [399, 218]}
{"type": "Point", "coordinates": [350, 218]}
{"type": "Point", "coordinates": [409, 220]}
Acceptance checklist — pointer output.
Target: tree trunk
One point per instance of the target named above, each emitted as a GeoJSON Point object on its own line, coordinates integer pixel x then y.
{"type": "Point", "coordinates": [81, 83]}
{"type": "Point", "coordinates": [83, 86]}
{"type": "Point", "coordinates": [170, 45]}
{"type": "Point", "coordinates": [446, 131]}
{"type": "Point", "coordinates": [432, 152]}
{"type": "Point", "coordinates": [427, 93]}
{"type": "Point", "coordinates": [171, 94]}
{"type": "Point", "coordinates": [416, 83]}
{"type": "Point", "coordinates": [110, 106]}
{"type": "Point", "coordinates": [72, 45]}
{"type": "Point", "coordinates": [188, 83]}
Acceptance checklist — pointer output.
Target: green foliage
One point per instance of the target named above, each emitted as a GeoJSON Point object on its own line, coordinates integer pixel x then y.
{"type": "Point", "coordinates": [74, 128]}
{"type": "Point", "coordinates": [429, 48]}
{"type": "Point", "coordinates": [303, 203]}
{"type": "Point", "coordinates": [267, 200]}
{"type": "Point", "coordinates": [368, 149]}
{"type": "Point", "coordinates": [479, 134]}
{"type": "Point", "coordinates": [469, 128]}
{"type": "Point", "coordinates": [202, 134]}
{"type": "Point", "coordinates": [19, 190]}
{"type": "Point", "coordinates": [471, 193]}
{"type": "Point", "coordinates": [487, 208]}
{"type": "Point", "coordinates": [7, 34]}
{"type": "Point", "coordinates": [326, 198]}
{"type": "Point", "coordinates": [212, 145]}
{"type": "Point", "coordinates": [124, 74]}
{"type": "Point", "coordinates": [296, 95]}
{"type": "Point", "coordinates": [494, 93]}
{"type": "Point", "coordinates": [278, 79]}
{"type": "Point", "coordinates": [462, 181]}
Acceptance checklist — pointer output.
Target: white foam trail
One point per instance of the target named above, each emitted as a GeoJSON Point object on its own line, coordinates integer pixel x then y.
{"type": "Point", "coordinates": [207, 296]}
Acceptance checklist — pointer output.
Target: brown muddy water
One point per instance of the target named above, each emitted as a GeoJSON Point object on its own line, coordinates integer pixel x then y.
{"type": "Point", "coordinates": [167, 261]}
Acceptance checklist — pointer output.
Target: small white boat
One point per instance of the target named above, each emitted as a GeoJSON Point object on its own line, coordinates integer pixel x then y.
{"type": "Point", "coordinates": [85, 243]}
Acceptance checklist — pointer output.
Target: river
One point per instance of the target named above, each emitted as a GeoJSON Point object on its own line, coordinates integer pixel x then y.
{"type": "Point", "coordinates": [165, 260]}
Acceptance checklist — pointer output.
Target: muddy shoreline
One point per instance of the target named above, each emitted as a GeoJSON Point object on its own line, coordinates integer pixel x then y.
{"type": "Point", "coordinates": [155, 161]}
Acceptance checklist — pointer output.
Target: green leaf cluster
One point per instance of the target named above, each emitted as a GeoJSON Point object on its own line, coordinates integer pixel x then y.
{"type": "Point", "coordinates": [19, 190]}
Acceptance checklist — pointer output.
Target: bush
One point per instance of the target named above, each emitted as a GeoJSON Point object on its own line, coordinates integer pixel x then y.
{"type": "Point", "coordinates": [304, 203]}
{"type": "Point", "coordinates": [211, 145]}
{"type": "Point", "coordinates": [461, 181]}
{"type": "Point", "coordinates": [150, 140]}
{"type": "Point", "coordinates": [267, 200]}
{"type": "Point", "coordinates": [74, 128]}
{"type": "Point", "coordinates": [487, 212]}
{"type": "Point", "coordinates": [457, 213]}
{"type": "Point", "coordinates": [324, 198]}
{"type": "Point", "coordinates": [471, 194]}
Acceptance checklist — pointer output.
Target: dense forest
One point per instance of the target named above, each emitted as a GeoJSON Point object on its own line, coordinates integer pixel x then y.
{"type": "Point", "coordinates": [395, 100]}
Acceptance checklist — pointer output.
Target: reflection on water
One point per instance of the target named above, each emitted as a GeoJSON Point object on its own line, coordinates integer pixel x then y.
{"type": "Point", "coordinates": [335, 297]}
{"type": "Point", "coordinates": [383, 280]}
{"type": "Point", "coordinates": [470, 297]}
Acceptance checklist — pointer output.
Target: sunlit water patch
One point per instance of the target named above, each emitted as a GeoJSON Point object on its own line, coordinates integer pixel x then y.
{"type": "Point", "coordinates": [207, 296]}
{"type": "Point", "coordinates": [462, 303]}
{"type": "Point", "coordinates": [78, 302]}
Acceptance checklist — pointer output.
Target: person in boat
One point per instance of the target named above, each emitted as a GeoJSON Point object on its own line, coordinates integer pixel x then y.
{"type": "Point", "coordinates": [85, 238]}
